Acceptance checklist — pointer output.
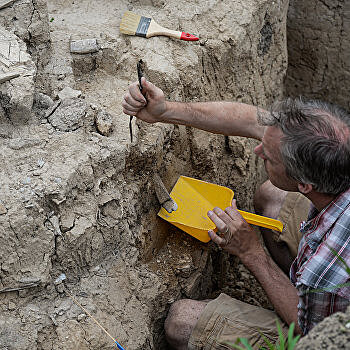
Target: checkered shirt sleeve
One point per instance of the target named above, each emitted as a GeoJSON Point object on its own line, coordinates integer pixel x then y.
{"type": "Point", "coordinates": [314, 306]}
{"type": "Point", "coordinates": [319, 271]}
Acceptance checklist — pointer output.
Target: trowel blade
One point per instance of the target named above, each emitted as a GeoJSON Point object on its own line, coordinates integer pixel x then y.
{"type": "Point", "coordinates": [163, 196]}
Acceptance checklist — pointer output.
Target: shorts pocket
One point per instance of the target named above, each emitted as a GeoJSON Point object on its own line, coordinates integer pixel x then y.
{"type": "Point", "coordinates": [227, 331]}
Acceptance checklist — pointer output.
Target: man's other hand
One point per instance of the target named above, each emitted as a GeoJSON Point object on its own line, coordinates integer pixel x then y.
{"type": "Point", "coordinates": [234, 234]}
{"type": "Point", "coordinates": [148, 106]}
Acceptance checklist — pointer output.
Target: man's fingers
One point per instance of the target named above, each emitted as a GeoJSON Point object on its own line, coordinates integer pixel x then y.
{"type": "Point", "coordinates": [133, 101]}
{"type": "Point", "coordinates": [128, 112]}
{"type": "Point", "coordinates": [218, 216]}
{"type": "Point", "coordinates": [233, 204]}
{"type": "Point", "coordinates": [233, 212]}
{"type": "Point", "coordinates": [150, 90]}
{"type": "Point", "coordinates": [127, 109]}
{"type": "Point", "coordinates": [216, 239]}
{"type": "Point", "coordinates": [131, 107]}
{"type": "Point", "coordinates": [136, 94]}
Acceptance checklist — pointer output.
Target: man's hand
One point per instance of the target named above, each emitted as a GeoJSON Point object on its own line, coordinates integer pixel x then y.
{"type": "Point", "coordinates": [149, 105]}
{"type": "Point", "coordinates": [234, 234]}
{"type": "Point", "coordinates": [241, 240]}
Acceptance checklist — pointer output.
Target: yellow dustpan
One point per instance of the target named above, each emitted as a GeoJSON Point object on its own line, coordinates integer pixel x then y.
{"type": "Point", "coordinates": [195, 198]}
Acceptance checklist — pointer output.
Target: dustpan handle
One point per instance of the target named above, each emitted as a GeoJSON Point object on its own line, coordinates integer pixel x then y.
{"type": "Point", "coordinates": [262, 221]}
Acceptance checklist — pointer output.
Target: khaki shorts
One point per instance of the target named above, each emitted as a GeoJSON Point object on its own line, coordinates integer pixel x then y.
{"type": "Point", "coordinates": [295, 209]}
{"type": "Point", "coordinates": [225, 319]}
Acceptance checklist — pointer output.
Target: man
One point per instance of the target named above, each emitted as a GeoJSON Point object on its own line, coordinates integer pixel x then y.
{"type": "Point", "coordinates": [305, 146]}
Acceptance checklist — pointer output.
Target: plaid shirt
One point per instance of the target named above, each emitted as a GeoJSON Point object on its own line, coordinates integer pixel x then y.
{"type": "Point", "coordinates": [317, 267]}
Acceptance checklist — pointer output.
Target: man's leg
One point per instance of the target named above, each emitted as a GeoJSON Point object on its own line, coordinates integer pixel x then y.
{"type": "Point", "coordinates": [179, 324]}
{"type": "Point", "coordinates": [216, 323]}
{"type": "Point", "coordinates": [268, 201]}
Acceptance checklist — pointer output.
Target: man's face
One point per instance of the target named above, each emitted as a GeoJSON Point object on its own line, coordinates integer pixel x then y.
{"type": "Point", "coordinates": [270, 151]}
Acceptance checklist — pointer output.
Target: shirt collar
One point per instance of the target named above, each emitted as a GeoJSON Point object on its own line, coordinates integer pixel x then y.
{"type": "Point", "coordinates": [319, 223]}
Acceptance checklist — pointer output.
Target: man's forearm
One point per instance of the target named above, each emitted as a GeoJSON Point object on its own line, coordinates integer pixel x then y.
{"type": "Point", "coordinates": [228, 118]}
{"type": "Point", "coordinates": [280, 291]}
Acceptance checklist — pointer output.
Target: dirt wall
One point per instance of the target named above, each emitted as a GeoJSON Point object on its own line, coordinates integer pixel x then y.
{"type": "Point", "coordinates": [319, 50]}
{"type": "Point", "coordinates": [77, 196]}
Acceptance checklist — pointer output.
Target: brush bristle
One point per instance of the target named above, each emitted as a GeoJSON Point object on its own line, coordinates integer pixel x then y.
{"type": "Point", "coordinates": [129, 23]}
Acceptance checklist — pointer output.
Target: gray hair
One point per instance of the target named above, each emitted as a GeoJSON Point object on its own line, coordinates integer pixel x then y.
{"type": "Point", "coordinates": [316, 143]}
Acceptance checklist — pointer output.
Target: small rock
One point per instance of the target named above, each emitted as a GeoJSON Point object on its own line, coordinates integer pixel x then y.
{"type": "Point", "coordinates": [69, 115]}
{"type": "Point", "coordinates": [60, 288]}
{"type": "Point", "coordinates": [3, 210]}
{"type": "Point", "coordinates": [68, 93]}
{"type": "Point", "coordinates": [5, 3]}
{"type": "Point", "coordinates": [52, 109]}
{"type": "Point", "coordinates": [104, 123]}
{"type": "Point", "coordinates": [56, 225]}
{"type": "Point", "coordinates": [12, 306]}
{"type": "Point", "coordinates": [81, 317]}
{"type": "Point", "coordinates": [42, 101]}
{"type": "Point", "coordinates": [84, 46]}
{"type": "Point", "coordinates": [41, 163]}
{"type": "Point", "coordinates": [67, 221]}
{"type": "Point", "coordinates": [53, 319]}
{"type": "Point", "coordinates": [184, 271]}
{"type": "Point", "coordinates": [30, 280]}
{"type": "Point", "coordinates": [8, 76]}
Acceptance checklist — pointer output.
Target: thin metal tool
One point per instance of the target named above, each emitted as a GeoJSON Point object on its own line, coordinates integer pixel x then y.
{"type": "Point", "coordinates": [139, 75]}
{"type": "Point", "coordinates": [130, 127]}
{"type": "Point", "coordinates": [87, 312]}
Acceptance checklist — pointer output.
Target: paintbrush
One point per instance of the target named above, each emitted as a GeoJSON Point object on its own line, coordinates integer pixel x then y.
{"type": "Point", "coordinates": [134, 24]}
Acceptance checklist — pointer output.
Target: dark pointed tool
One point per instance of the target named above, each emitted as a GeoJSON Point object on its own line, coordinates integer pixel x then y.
{"type": "Point", "coordinates": [139, 75]}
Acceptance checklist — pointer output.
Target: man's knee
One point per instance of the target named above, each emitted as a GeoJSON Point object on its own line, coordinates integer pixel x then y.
{"type": "Point", "coordinates": [181, 320]}
{"type": "Point", "coordinates": [268, 200]}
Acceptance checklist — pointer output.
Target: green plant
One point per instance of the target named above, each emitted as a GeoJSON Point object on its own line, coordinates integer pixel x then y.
{"type": "Point", "coordinates": [339, 258]}
{"type": "Point", "coordinates": [282, 344]}
{"type": "Point", "coordinates": [340, 261]}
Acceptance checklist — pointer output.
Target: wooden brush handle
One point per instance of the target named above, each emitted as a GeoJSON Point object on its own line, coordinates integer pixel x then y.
{"type": "Point", "coordinates": [155, 29]}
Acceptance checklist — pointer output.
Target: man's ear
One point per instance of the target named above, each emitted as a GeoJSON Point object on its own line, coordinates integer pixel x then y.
{"type": "Point", "coordinates": [304, 188]}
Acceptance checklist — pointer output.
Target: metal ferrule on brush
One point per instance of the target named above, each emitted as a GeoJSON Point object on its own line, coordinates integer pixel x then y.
{"type": "Point", "coordinates": [143, 26]}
